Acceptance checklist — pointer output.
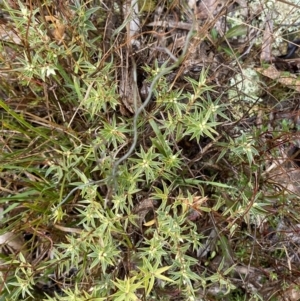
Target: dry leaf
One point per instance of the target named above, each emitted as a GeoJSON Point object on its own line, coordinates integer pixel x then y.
{"type": "Point", "coordinates": [129, 94]}
{"type": "Point", "coordinates": [150, 223]}
{"type": "Point", "coordinates": [282, 77]}
{"type": "Point", "coordinates": [9, 35]}
{"type": "Point", "coordinates": [208, 8]}
{"type": "Point", "coordinates": [141, 210]}
{"type": "Point", "coordinates": [12, 242]}
{"type": "Point", "coordinates": [267, 41]}
{"type": "Point", "coordinates": [59, 29]}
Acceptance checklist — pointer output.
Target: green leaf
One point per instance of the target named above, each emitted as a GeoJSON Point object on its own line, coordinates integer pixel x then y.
{"type": "Point", "coordinates": [236, 31]}
{"type": "Point", "coordinates": [159, 141]}
{"type": "Point", "coordinates": [214, 34]}
{"type": "Point", "coordinates": [159, 271]}
{"type": "Point", "coordinates": [21, 120]}
{"type": "Point", "coordinates": [90, 11]}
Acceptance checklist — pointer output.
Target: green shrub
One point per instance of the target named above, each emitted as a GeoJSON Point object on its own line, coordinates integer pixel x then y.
{"type": "Point", "coordinates": [111, 198]}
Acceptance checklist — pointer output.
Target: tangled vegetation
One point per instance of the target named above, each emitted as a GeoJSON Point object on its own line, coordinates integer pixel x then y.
{"type": "Point", "coordinates": [149, 150]}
